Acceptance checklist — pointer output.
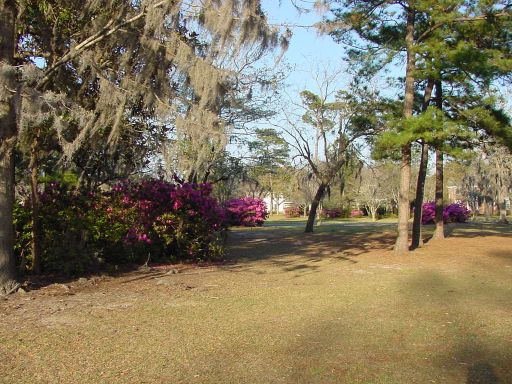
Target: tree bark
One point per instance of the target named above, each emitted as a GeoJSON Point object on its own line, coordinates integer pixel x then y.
{"type": "Point", "coordinates": [439, 231]}
{"type": "Point", "coordinates": [502, 190]}
{"type": "Point", "coordinates": [8, 134]}
{"type": "Point", "coordinates": [503, 212]}
{"type": "Point", "coordinates": [373, 213]}
{"type": "Point", "coordinates": [36, 222]}
{"type": "Point", "coordinates": [402, 241]}
{"type": "Point", "coordinates": [502, 204]}
{"type": "Point", "coordinates": [417, 241]}
{"type": "Point", "coordinates": [314, 206]}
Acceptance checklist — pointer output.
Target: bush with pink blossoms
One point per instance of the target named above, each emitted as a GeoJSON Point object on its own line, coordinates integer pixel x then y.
{"type": "Point", "coordinates": [452, 213]}
{"type": "Point", "coordinates": [331, 213]}
{"type": "Point", "coordinates": [246, 212]}
{"type": "Point", "coordinates": [292, 212]}
{"type": "Point", "coordinates": [129, 223]}
{"type": "Point", "coordinates": [178, 221]}
{"type": "Point", "coordinates": [356, 213]}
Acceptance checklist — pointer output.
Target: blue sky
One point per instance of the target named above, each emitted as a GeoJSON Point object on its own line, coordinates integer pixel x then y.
{"type": "Point", "coordinates": [307, 48]}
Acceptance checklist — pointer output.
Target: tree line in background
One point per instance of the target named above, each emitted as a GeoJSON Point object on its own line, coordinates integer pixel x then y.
{"type": "Point", "coordinates": [98, 93]}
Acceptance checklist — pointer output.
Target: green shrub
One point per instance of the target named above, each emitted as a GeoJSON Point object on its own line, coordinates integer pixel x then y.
{"type": "Point", "coordinates": [130, 223]}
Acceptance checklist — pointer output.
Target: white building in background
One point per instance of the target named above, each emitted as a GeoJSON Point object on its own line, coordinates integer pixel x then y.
{"type": "Point", "coordinates": [452, 194]}
{"type": "Point", "coordinates": [278, 201]}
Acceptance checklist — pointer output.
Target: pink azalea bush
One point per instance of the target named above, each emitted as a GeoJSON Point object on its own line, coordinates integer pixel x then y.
{"type": "Point", "coordinates": [293, 212]}
{"type": "Point", "coordinates": [356, 213]}
{"type": "Point", "coordinates": [183, 219]}
{"type": "Point", "coordinates": [129, 223]}
{"type": "Point", "coordinates": [246, 211]}
{"type": "Point", "coordinates": [452, 213]}
{"type": "Point", "coordinates": [332, 213]}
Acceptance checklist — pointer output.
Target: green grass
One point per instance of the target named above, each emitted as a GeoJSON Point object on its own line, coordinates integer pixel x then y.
{"type": "Point", "coordinates": [333, 307]}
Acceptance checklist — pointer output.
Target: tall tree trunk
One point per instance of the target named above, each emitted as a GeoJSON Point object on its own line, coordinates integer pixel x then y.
{"type": "Point", "coordinates": [503, 212]}
{"type": "Point", "coordinates": [488, 210]}
{"type": "Point", "coordinates": [502, 191]}
{"type": "Point", "coordinates": [36, 222]}
{"type": "Point", "coordinates": [422, 175]}
{"type": "Point", "coordinates": [314, 207]}
{"type": "Point", "coordinates": [502, 204]}
{"type": "Point", "coordinates": [373, 213]}
{"type": "Point", "coordinates": [8, 133]}
{"type": "Point", "coordinates": [402, 241]}
{"type": "Point", "coordinates": [420, 193]}
{"type": "Point", "coordinates": [439, 231]}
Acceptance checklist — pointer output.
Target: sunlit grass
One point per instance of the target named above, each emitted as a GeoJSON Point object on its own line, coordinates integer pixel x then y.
{"type": "Point", "coordinates": [337, 306]}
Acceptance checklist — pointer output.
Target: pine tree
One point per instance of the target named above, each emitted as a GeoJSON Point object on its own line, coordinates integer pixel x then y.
{"type": "Point", "coordinates": [417, 30]}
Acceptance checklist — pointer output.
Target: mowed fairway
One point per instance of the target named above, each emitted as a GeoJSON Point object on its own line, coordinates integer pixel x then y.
{"type": "Point", "coordinates": [337, 306]}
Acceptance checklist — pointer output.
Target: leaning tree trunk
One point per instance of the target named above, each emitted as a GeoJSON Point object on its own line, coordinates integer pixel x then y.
{"type": "Point", "coordinates": [402, 241]}
{"type": "Point", "coordinates": [422, 175]}
{"type": "Point", "coordinates": [439, 231]}
{"type": "Point", "coordinates": [8, 132]}
{"type": "Point", "coordinates": [314, 207]}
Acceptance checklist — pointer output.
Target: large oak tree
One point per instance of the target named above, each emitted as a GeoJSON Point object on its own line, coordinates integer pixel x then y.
{"type": "Point", "coordinates": [94, 66]}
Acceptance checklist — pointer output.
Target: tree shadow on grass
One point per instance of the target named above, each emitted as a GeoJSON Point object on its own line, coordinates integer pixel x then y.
{"type": "Point", "coordinates": [428, 332]}
{"type": "Point", "coordinates": [288, 247]}
{"type": "Point", "coordinates": [486, 357]}
{"type": "Point", "coordinates": [294, 251]}
{"type": "Point", "coordinates": [503, 254]}
{"type": "Point", "coordinates": [472, 230]}
{"type": "Point", "coordinates": [482, 373]}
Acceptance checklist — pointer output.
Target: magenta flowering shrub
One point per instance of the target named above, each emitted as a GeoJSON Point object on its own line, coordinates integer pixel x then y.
{"type": "Point", "coordinates": [332, 213]}
{"type": "Point", "coordinates": [456, 213]}
{"type": "Point", "coordinates": [179, 221]}
{"type": "Point", "coordinates": [452, 213]}
{"type": "Point", "coordinates": [129, 223]}
{"type": "Point", "coordinates": [292, 212]}
{"type": "Point", "coordinates": [356, 213]}
{"type": "Point", "coordinates": [246, 211]}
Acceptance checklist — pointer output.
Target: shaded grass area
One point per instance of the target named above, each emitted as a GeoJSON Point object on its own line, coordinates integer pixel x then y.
{"type": "Point", "coordinates": [336, 306]}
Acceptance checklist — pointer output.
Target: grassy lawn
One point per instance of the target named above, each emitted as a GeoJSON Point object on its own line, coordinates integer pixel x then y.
{"type": "Point", "coordinates": [337, 306]}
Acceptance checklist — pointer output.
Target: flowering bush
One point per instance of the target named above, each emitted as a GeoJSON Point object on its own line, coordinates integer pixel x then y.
{"type": "Point", "coordinates": [293, 212]}
{"type": "Point", "coordinates": [126, 224]}
{"type": "Point", "coordinates": [356, 213]}
{"type": "Point", "coordinates": [452, 213]}
{"type": "Point", "coordinates": [331, 213]}
{"type": "Point", "coordinates": [246, 211]}
{"type": "Point", "coordinates": [456, 213]}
